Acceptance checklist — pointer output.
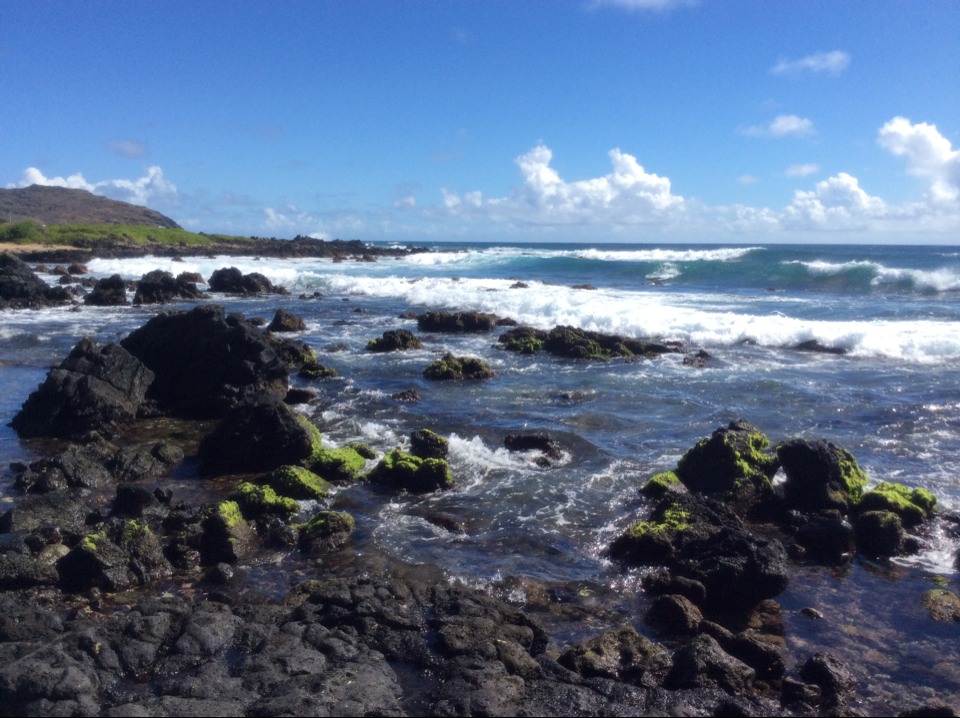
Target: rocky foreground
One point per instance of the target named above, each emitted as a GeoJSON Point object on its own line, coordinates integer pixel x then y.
{"type": "Point", "coordinates": [120, 598]}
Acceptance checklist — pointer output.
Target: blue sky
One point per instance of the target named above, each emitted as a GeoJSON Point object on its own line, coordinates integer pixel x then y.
{"type": "Point", "coordinates": [568, 120]}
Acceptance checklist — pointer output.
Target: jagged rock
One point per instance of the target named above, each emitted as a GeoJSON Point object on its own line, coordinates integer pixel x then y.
{"type": "Point", "coordinates": [114, 558]}
{"type": "Point", "coordinates": [703, 663]}
{"type": "Point", "coordinates": [231, 280]}
{"type": "Point", "coordinates": [327, 531]}
{"type": "Point", "coordinates": [206, 363]}
{"type": "Point", "coordinates": [21, 288]}
{"type": "Point", "coordinates": [837, 684]}
{"type": "Point", "coordinates": [395, 340]}
{"type": "Point", "coordinates": [108, 292]}
{"type": "Point", "coordinates": [283, 321]}
{"type": "Point", "coordinates": [93, 388]}
{"type": "Point", "coordinates": [65, 510]}
{"type": "Point", "coordinates": [674, 615]}
{"type": "Point", "coordinates": [159, 287]}
{"type": "Point", "coordinates": [731, 456]}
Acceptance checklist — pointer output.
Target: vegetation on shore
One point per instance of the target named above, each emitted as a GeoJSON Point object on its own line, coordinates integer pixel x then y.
{"type": "Point", "coordinates": [28, 231]}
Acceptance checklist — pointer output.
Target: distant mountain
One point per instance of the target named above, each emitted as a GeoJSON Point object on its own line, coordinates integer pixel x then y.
{"type": "Point", "coordinates": [59, 205]}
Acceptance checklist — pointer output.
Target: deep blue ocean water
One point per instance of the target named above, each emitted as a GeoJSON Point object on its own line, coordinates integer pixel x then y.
{"type": "Point", "coordinates": [892, 399]}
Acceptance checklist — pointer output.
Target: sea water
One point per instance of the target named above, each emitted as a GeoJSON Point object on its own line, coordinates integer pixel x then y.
{"type": "Point", "coordinates": [892, 398]}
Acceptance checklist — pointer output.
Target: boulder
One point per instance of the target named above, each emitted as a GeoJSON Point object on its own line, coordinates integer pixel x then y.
{"type": "Point", "coordinates": [673, 615]}
{"type": "Point", "coordinates": [702, 663]}
{"type": "Point", "coordinates": [879, 534]}
{"type": "Point", "coordinates": [545, 444]}
{"type": "Point", "coordinates": [298, 483]}
{"type": "Point", "coordinates": [428, 445]}
{"type": "Point", "coordinates": [231, 280]}
{"type": "Point", "coordinates": [93, 388]}
{"type": "Point", "coordinates": [258, 438]}
{"type": "Point", "coordinates": [108, 292]}
{"type": "Point", "coordinates": [227, 537]}
{"type": "Point", "coordinates": [120, 554]}
{"type": "Point", "coordinates": [399, 471]}
{"type": "Point", "coordinates": [622, 655]}
{"type": "Point", "coordinates": [283, 321]}
{"type": "Point", "coordinates": [205, 362]}
{"type": "Point", "coordinates": [837, 684]}
{"type": "Point", "coordinates": [343, 465]}
{"type": "Point", "coordinates": [820, 475]}
{"type": "Point", "coordinates": [732, 456]}
{"type": "Point", "coordinates": [65, 511]}
{"type": "Point", "coordinates": [325, 532]}
{"type": "Point", "coordinates": [159, 287]}
{"type": "Point", "coordinates": [523, 340]}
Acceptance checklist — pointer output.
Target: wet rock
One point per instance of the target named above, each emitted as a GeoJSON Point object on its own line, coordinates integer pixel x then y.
{"type": "Point", "coordinates": [820, 475]}
{"type": "Point", "coordinates": [826, 536]}
{"type": "Point", "coordinates": [160, 287]}
{"type": "Point", "coordinates": [20, 568]}
{"type": "Point", "coordinates": [523, 340]}
{"type": "Point", "coordinates": [456, 322]}
{"type": "Point", "coordinates": [259, 503]}
{"type": "Point", "coordinates": [659, 583]}
{"type": "Point", "coordinates": [206, 363]}
{"type": "Point", "coordinates": [65, 510]}
{"type": "Point", "coordinates": [673, 615]}
{"type": "Point", "coordinates": [343, 465]}
{"type": "Point", "coordinates": [407, 396]}
{"type": "Point", "coordinates": [943, 605]}
{"type": "Point", "coordinates": [327, 531]}
{"type": "Point", "coordinates": [622, 655]}
{"type": "Point", "coordinates": [837, 684]}
{"type": "Point", "coordinates": [117, 556]}
{"type": "Point", "coordinates": [140, 463]}
{"type": "Point", "coordinates": [762, 656]}
{"type": "Point", "coordinates": [93, 388]}
{"type": "Point", "coordinates": [297, 396]}
{"type": "Point", "coordinates": [732, 456]}
{"type": "Point", "coordinates": [879, 534]}
{"type": "Point", "coordinates": [231, 280]}
{"type": "Point", "coordinates": [108, 292]}
{"type": "Point", "coordinates": [21, 288]}
{"type": "Point", "coordinates": [428, 445]}
{"type": "Point", "coordinates": [573, 343]}
{"type": "Point", "coordinates": [260, 437]}
{"type": "Point", "coordinates": [78, 466]}
{"type": "Point", "coordinates": [227, 537]}
{"type": "Point", "coordinates": [395, 340]}
{"type": "Point", "coordinates": [812, 345]}
{"type": "Point", "coordinates": [450, 367]}
{"type": "Point", "coordinates": [703, 663]}
{"type": "Point", "coordinates": [283, 321]}
{"type": "Point", "coordinates": [543, 443]}
{"type": "Point", "coordinates": [298, 483]}
{"type": "Point", "coordinates": [913, 506]}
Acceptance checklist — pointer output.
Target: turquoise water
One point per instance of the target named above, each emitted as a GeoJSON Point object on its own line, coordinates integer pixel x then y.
{"type": "Point", "coordinates": [892, 399]}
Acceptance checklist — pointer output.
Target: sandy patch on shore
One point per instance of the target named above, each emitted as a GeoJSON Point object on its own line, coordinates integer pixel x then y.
{"type": "Point", "coordinates": [21, 248]}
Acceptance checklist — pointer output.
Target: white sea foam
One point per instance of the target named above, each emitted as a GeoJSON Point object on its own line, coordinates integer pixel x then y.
{"type": "Point", "coordinates": [938, 280]}
{"type": "Point", "coordinates": [720, 254]}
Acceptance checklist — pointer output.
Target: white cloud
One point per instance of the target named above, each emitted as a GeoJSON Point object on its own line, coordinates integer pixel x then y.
{"type": "Point", "coordinates": [782, 126]}
{"type": "Point", "coordinates": [627, 195]}
{"type": "Point", "coordinates": [835, 203]}
{"type": "Point", "coordinates": [748, 179]}
{"type": "Point", "coordinates": [151, 187]}
{"type": "Point", "coordinates": [928, 153]}
{"type": "Point", "coordinates": [832, 63]}
{"type": "Point", "coordinates": [802, 170]}
{"type": "Point", "coordinates": [128, 148]}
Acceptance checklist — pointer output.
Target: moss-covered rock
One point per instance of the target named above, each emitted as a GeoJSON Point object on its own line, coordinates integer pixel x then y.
{"type": "Point", "coordinates": [651, 542]}
{"type": "Point", "coordinates": [523, 340]}
{"type": "Point", "coordinates": [325, 532]}
{"type": "Point", "coordinates": [913, 506]}
{"type": "Point", "coordinates": [226, 536]}
{"type": "Point", "coordinates": [298, 483]}
{"type": "Point", "coordinates": [395, 340]}
{"type": "Point", "coordinates": [261, 502]}
{"type": "Point", "coordinates": [659, 484]}
{"type": "Point", "coordinates": [400, 471]}
{"type": "Point", "coordinates": [879, 534]}
{"type": "Point", "coordinates": [456, 322]}
{"type": "Point", "coordinates": [313, 369]}
{"type": "Point", "coordinates": [314, 437]}
{"type": "Point", "coordinates": [450, 367]}
{"type": "Point", "coordinates": [342, 465]}
{"type": "Point", "coordinates": [731, 456]}
{"type": "Point", "coordinates": [428, 444]}
{"type": "Point", "coordinates": [820, 476]}
{"type": "Point", "coordinates": [943, 604]}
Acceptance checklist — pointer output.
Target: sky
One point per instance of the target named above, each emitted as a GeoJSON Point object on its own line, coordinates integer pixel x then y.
{"type": "Point", "coordinates": [690, 121]}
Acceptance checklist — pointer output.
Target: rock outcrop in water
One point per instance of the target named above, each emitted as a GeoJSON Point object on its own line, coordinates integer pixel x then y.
{"type": "Point", "coordinates": [21, 288]}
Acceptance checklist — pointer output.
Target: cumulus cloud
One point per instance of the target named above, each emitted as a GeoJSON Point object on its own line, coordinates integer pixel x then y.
{"type": "Point", "coordinates": [128, 148]}
{"type": "Point", "coordinates": [149, 188]}
{"type": "Point", "coordinates": [802, 170]}
{"type": "Point", "coordinates": [831, 63]}
{"type": "Point", "coordinates": [928, 154]}
{"type": "Point", "coordinates": [627, 195]}
{"type": "Point", "coordinates": [782, 126]}
{"type": "Point", "coordinates": [837, 202]}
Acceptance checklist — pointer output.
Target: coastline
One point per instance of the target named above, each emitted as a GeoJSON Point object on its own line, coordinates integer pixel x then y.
{"type": "Point", "coordinates": [527, 686]}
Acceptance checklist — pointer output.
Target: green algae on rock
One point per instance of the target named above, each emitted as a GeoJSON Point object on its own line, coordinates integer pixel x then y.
{"type": "Point", "coordinates": [298, 483]}
{"type": "Point", "coordinates": [913, 506]}
{"type": "Point", "coordinates": [659, 484]}
{"type": "Point", "coordinates": [450, 367]}
{"type": "Point", "coordinates": [401, 471]}
{"type": "Point", "coordinates": [260, 502]}
{"type": "Point", "coordinates": [342, 465]}
{"type": "Point", "coordinates": [325, 532]}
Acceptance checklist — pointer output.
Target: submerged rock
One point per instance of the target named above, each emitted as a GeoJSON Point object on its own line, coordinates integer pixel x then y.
{"type": "Point", "coordinates": [395, 340]}
{"type": "Point", "coordinates": [283, 321]}
{"type": "Point", "coordinates": [399, 471]}
{"type": "Point", "coordinates": [457, 322]}
{"type": "Point", "coordinates": [21, 288]}
{"type": "Point", "coordinates": [454, 368]}
{"type": "Point", "coordinates": [108, 292]}
{"type": "Point", "coordinates": [159, 287]}
{"type": "Point", "coordinates": [231, 280]}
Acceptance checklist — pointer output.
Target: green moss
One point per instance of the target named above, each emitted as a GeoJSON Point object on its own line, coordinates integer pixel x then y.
{"type": "Point", "coordinates": [316, 439]}
{"type": "Point", "coordinates": [339, 465]}
{"type": "Point", "coordinates": [852, 477]}
{"type": "Point", "coordinates": [660, 484]}
{"type": "Point", "coordinates": [132, 531]}
{"type": "Point", "coordinates": [229, 513]}
{"type": "Point", "coordinates": [312, 369]}
{"type": "Point", "coordinates": [90, 541]}
{"type": "Point", "coordinates": [450, 367]}
{"type": "Point", "coordinates": [298, 483]}
{"type": "Point", "coordinates": [523, 345]}
{"type": "Point", "coordinates": [326, 520]}
{"type": "Point", "coordinates": [261, 501]}
{"type": "Point", "coordinates": [400, 470]}
{"type": "Point", "coordinates": [911, 505]}
{"type": "Point", "coordinates": [673, 519]}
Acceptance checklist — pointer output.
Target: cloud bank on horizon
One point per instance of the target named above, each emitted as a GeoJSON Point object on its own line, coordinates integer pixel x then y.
{"type": "Point", "coordinates": [603, 120]}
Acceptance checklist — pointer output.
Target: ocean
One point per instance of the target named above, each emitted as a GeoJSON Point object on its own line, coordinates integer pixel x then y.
{"type": "Point", "coordinates": [535, 534]}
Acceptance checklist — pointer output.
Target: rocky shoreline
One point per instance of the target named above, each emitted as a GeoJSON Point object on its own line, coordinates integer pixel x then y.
{"type": "Point", "coordinates": [120, 597]}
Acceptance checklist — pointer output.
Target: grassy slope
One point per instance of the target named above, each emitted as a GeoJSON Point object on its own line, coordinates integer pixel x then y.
{"type": "Point", "coordinates": [85, 235]}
